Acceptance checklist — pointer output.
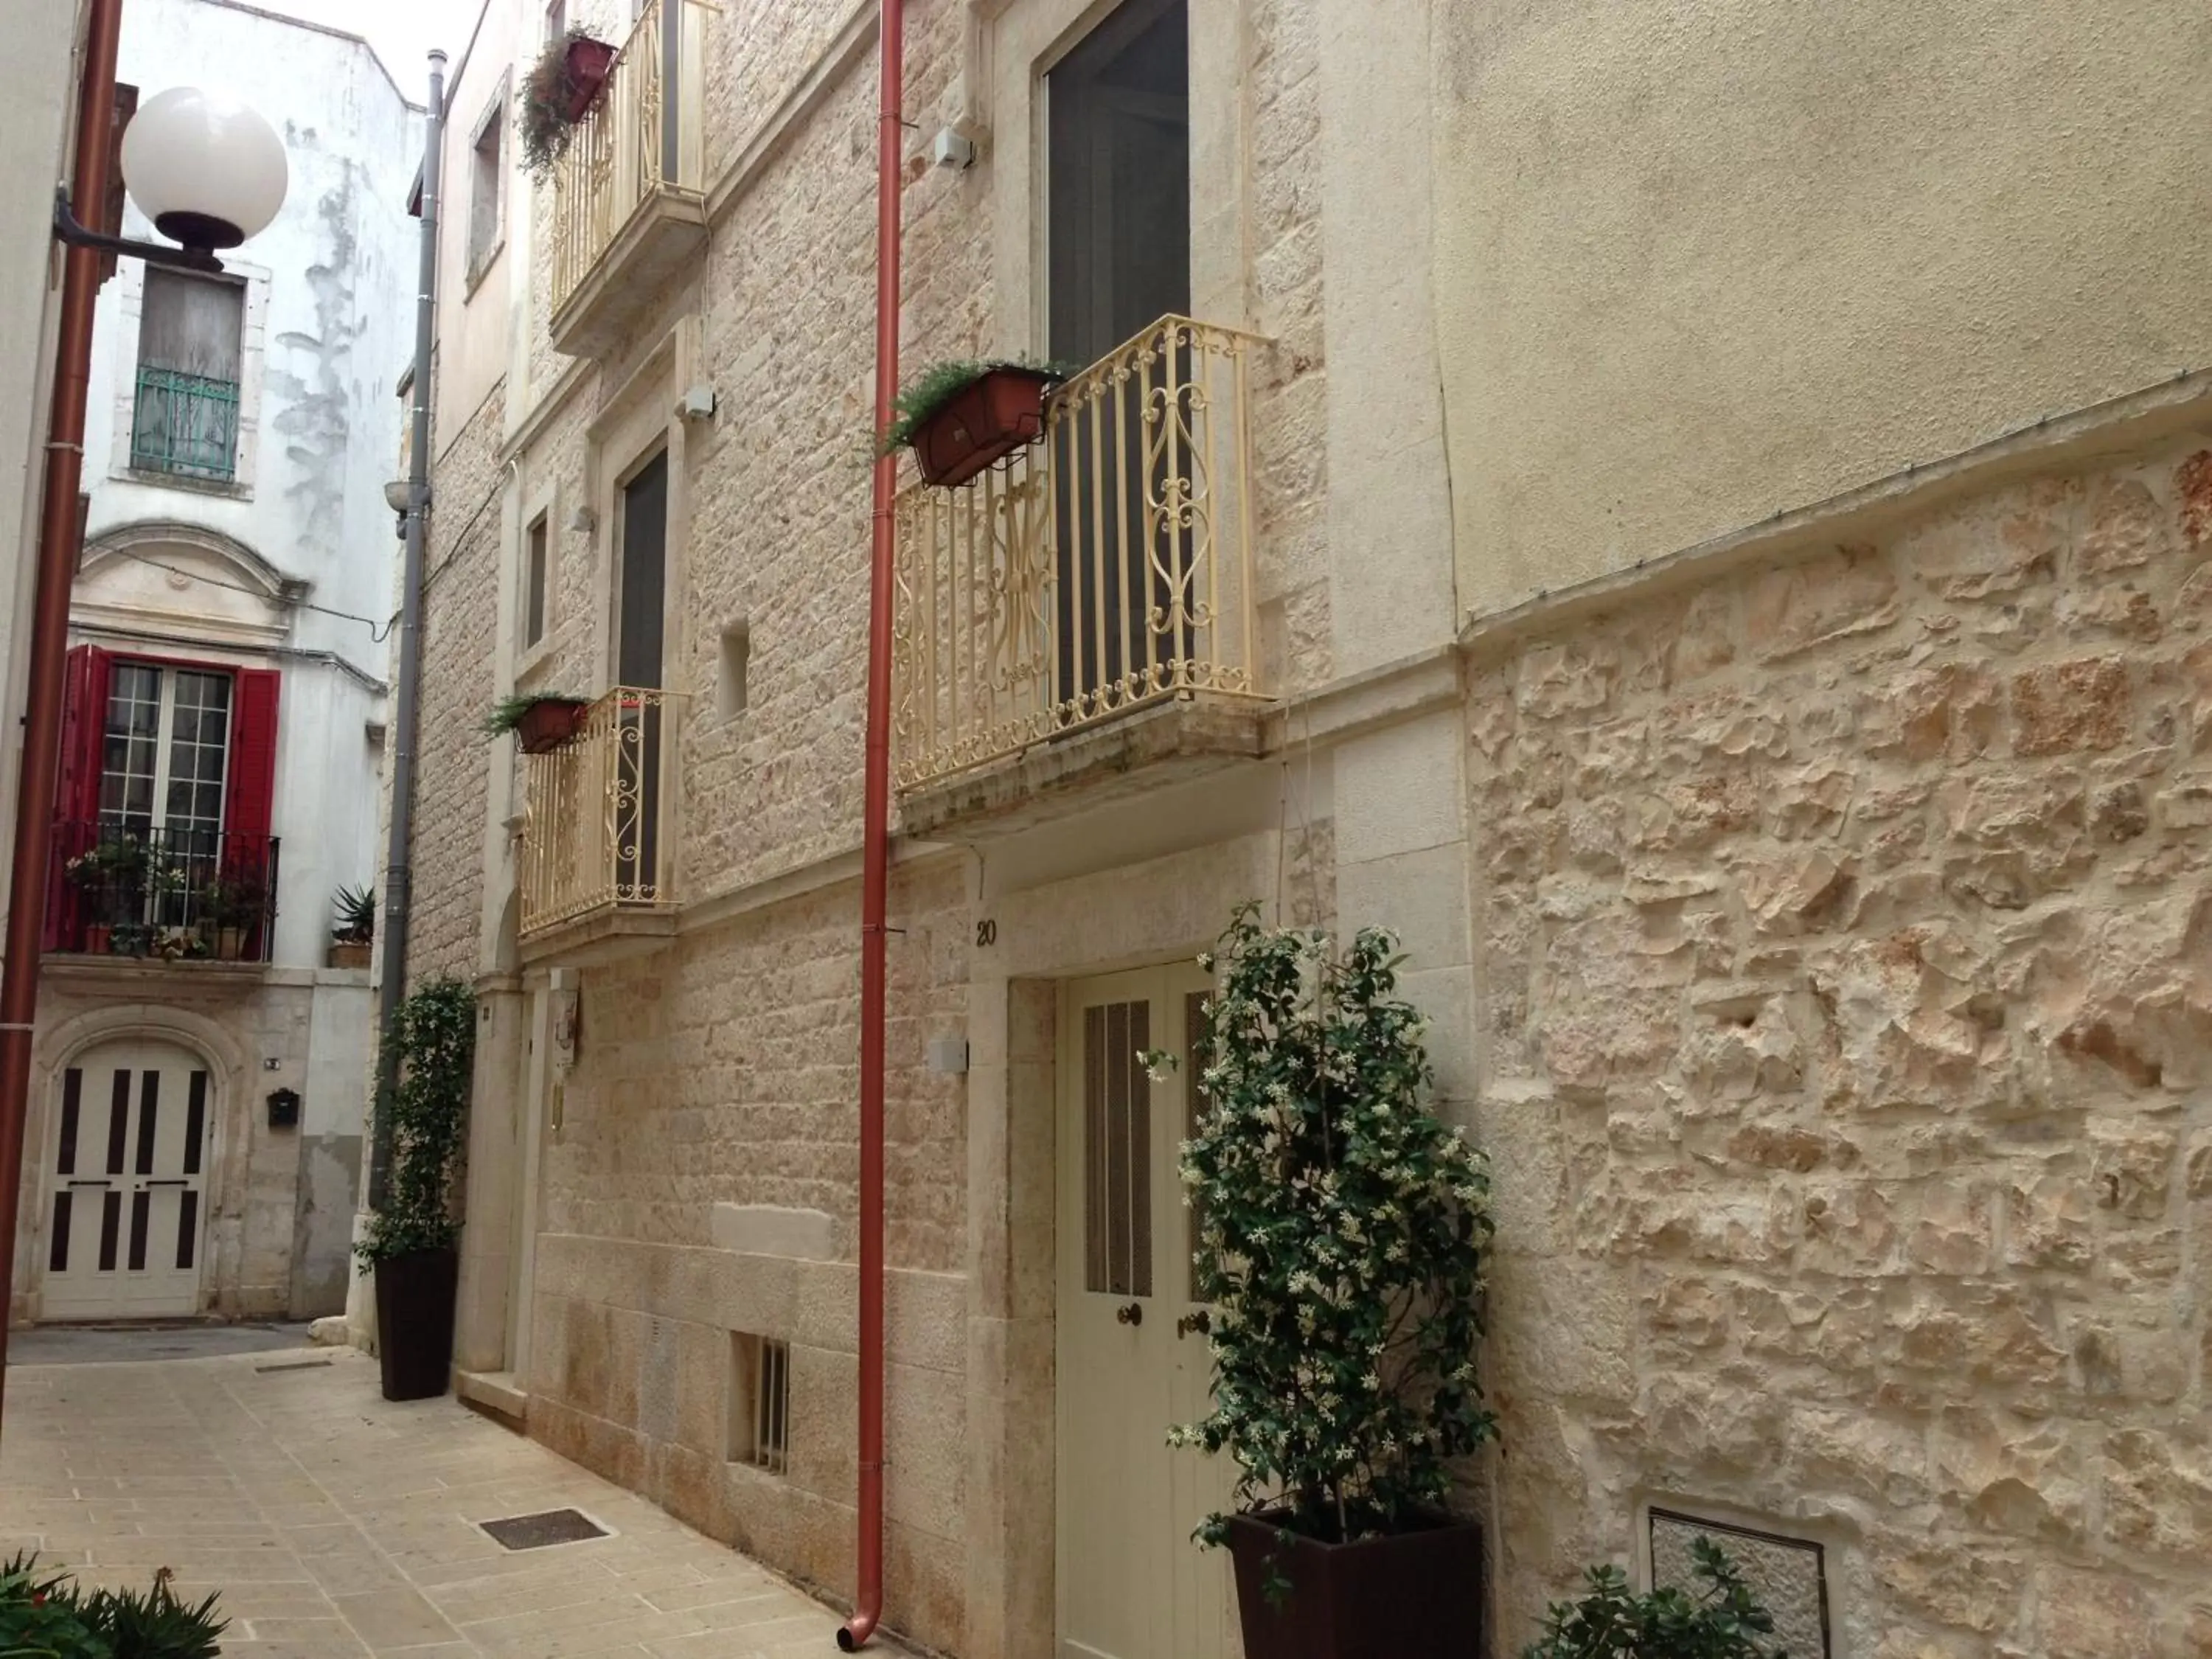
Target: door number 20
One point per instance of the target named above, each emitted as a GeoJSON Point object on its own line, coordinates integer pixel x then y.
{"type": "Point", "coordinates": [986, 934]}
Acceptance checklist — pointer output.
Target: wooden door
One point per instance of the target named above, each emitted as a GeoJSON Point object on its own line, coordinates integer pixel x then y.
{"type": "Point", "coordinates": [642, 622]}
{"type": "Point", "coordinates": [1131, 1361]}
{"type": "Point", "coordinates": [127, 1169]}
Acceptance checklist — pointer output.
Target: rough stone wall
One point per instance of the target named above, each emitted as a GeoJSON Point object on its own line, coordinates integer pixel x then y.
{"type": "Point", "coordinates": [1845, 1024]}
{"type": "Point", "coordinates": [1289, 385]}
{"type": "Point", "coordinates": [725, 1072]}
{"type": "Point", "coordinates": [460, 619]}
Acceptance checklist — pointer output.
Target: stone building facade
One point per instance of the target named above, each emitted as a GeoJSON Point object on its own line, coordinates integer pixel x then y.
{"type": "Point", "coordinates": [1796, 838]}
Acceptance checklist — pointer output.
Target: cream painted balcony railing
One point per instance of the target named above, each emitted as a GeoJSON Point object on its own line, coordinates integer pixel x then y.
{"type": "Point", "coordinates": [636, 143]}
{"type": "Point", "coordinates": [1105, 567]}
{"type": "Point", "coordinates": [597, 829]}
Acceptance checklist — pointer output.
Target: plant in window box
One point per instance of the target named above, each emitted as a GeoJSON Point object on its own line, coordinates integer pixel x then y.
{"type": "Point", "coordinates": [961, 417]}
{"type": "Point", "coordinates": [541, 720]}
{"type": "Point", "coordinates": [231, 906]}
{"type": "Point", "coordinates": [558, 94]}
{"type": "Point", "coordinates": [1342, 1235]}
{"type": "Point", "coordinates": [409, 1238]}
{"type": "Point", "coordinates": [356, 931]}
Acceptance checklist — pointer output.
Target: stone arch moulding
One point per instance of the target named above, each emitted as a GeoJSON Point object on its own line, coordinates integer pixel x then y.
{"type": "Point", "coordinates": [53, 1050]}
{"type": "Point", "coordinates": [152, 572]}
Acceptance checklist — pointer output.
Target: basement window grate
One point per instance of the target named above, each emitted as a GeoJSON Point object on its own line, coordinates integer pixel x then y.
{"type": "Point", "coordinates": [760, 1402]}
{"type": "Point", "coordinates": [1788, 1575]}
{"type": "Point", "coordinates": [535, 1532]}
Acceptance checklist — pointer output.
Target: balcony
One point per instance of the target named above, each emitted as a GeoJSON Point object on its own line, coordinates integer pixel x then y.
{"type": "Point", "coordinates": [597, 864]}
{"type": "Point", "coordinates": [160, 893]}
{"type": "Point", "coordinates": [1087, 609]}
{"type": "Point", "coordinates": [186, 425]}
{"type": "Point", "coordinates": [630, 205]}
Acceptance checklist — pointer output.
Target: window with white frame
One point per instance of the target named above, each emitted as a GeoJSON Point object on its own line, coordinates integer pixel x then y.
{"type": "Point", "coordinates": [488, 187]}
{"type": "Point", "coordinates": [534, 556]}
{"type": "Point", "coordinates": [165, 751]}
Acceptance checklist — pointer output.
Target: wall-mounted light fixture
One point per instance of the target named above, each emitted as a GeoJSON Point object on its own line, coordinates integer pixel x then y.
{"type": "Point", "coordinates": [206, 169]}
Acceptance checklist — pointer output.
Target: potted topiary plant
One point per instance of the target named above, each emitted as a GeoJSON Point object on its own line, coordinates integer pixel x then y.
{"type": "Point", "coordinates": [558, 94]}
{"type": "Point", "coordinates": [959, 417]}
{"type": "Point", "coordinates": [1342, 1230]}
{"type": "Point", "coordinates": [1720, 1621]}
{"type": "Point", "coordinates": [355, 929]}
{"type": "Point", "coordinates": [542, 721]}
{"type": "Point", "coordinates": [409, 1242]}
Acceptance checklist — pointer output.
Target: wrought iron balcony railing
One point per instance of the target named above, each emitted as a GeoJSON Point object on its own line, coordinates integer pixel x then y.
{"type": "Point", "coordinates": [640, 143]}
{"type": "Point", "coordinates": [1105, 567]}
{"type": "Point", "coordinates": [598, 819]}
{"type": "Point", "coordinates": [185, 424]}
{"type": "Point", "coordinates": [125, 889]}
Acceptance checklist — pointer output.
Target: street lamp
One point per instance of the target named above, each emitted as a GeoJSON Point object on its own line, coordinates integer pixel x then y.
{"type": "Point", "coordinates": [206, 168]}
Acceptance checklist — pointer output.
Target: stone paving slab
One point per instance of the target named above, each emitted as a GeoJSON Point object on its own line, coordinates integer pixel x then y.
{"type": "Point", "coordinates": [338, 1524]}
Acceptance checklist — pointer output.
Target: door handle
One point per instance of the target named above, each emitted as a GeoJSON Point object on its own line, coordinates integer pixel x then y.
{"type": "Point", "coordinates": [178, 1181]}
{"type": "Point", "coordinates": [1201, 1320]}
{"type": "Point", "coordinates": [1131, 1314]}
{"type": "Point", "coordinates": [92, 1183]}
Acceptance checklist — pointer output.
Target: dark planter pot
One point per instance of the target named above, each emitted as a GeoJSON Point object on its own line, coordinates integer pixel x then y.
{"type": "Point", "coordinates": [1383, 1598]}
{"type": "Point", "coordinates": [986, 423]}
{"type": "Point", "coordinates": [415, 1322]}
{"type": "Point", "coordinates": [588, 64]}
{"type": "Point", "coordinates": [544, 726]}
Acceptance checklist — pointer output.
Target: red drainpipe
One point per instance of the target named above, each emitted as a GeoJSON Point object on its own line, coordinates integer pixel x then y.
{"type": "Point", "coordinates": [49, 620]}
{"type": "Point", "coordinates": [868, 1588]}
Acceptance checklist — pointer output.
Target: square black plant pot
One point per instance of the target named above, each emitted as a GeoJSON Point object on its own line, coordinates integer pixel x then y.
{"type": "Point", "coordinates": [1380, 1598]}
{"type": "Point", "coordinates": [415, 1322]}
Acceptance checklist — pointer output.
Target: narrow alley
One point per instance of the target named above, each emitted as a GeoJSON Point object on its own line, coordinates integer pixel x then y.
{"type": "Point", "coordinates": [337, 1524]}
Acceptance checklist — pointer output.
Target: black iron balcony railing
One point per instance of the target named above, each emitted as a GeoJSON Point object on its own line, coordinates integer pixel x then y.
{"type": "Point", "coordinates": [185, 424]}
{"type": "Point", "coordinates": [173, 893]}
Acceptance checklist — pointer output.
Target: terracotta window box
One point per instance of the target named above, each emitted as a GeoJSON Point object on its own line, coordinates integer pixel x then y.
{"type": "Point", "coordinates": [545, 726]}
{"type": "Point", "coordinates": [989, 420]}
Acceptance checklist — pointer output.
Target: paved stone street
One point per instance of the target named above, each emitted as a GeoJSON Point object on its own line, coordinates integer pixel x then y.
{"type": "Point", "coordinates": [338, 1524]}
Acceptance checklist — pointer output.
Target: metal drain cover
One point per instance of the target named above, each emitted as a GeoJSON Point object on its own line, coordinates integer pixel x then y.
{"type": "Point", "coordinates": [534, 1531]}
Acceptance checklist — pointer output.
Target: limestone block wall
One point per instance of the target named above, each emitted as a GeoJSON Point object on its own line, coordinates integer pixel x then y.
{"type": "Point", "coordinates": [1843, 932]}
{"type": "Point", "coordinates": [724, 1072]}
{"type": "Point", "coordinates": [460, 618]}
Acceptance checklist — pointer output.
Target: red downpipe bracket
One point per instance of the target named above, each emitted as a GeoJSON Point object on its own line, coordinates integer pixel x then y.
{"type": "Point", "coordinates": [875, 865]}
{"type": "Point", "coordinates": [57, 571]}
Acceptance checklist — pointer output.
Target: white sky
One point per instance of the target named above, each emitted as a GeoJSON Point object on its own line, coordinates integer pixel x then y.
{"type": "Point", "coordinates": [402, 31]}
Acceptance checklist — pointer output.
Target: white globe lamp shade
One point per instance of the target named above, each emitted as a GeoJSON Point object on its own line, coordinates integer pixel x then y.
{"type": "Point", "coordinates": [208, 171]}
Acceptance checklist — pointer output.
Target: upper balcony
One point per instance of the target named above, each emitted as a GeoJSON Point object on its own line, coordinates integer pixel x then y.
{"type": "Point", "coordinates": [1087, 608]}
{"type": "Point", "coordinates": [127, 890]}
{"type": "Point", "coordinates": [629, 204]}
{"type": "Point", "coordinates": [597, 874]}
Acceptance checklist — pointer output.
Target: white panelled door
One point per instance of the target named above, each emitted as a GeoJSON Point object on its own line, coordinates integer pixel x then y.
{"type": "Point", "coordinates": [127, 1173]}
{"type": "Point", "coordinates": [1131, 1348]}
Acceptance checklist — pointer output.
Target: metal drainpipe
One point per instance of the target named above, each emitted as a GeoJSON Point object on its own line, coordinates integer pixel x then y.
{"type": "Point", "coordinates": [868, 1588]}
{"type": "Point", "coordinates": [399, 874]}
{"type": "Point", "coordinates": [58, 548]}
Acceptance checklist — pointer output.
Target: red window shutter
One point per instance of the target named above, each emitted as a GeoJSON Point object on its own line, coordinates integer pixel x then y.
{"type": "Point", "coordinates": [251, 795]}
{"type": "Point", "coordinates": [84, 724]}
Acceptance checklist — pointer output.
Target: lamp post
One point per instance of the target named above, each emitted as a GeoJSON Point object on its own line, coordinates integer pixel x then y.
{"type": "Point", "coordinates": [208, 173]}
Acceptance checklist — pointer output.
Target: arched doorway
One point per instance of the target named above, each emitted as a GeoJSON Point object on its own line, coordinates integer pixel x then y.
{"type": "Point", "coordinates": [127, 1168]}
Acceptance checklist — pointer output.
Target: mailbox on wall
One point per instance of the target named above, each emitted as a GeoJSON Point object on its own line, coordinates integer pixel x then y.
{"type": "Point", "coordinates": [284, 1109]}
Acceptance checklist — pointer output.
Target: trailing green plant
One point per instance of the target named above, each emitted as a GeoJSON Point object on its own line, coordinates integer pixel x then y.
{"type": "Point", "coordinates": [1341, 1231]}
{"type": "Point", "coordinates": [356, 916]}
{"type": "Point", "coordinates": [938, 384]}
{"type": "Point", "coordinates": [1722, 1620]}
{"type": "Point", "coordinates": [505, 715]}
{"type": "Point", "coordinates": [435, 1034]}
{"type": "Point", "coordinates": [541, 107]}
{"type": "Point", "coordinates": [48, 1616]}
